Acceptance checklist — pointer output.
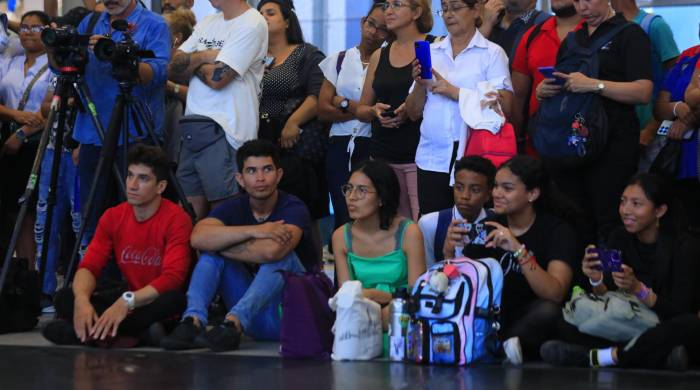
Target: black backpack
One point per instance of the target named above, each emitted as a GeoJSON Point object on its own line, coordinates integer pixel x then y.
{"type": "Point", "coordinates": [19, 301]}
{"type": "Point", "coordinates": [571, 129]}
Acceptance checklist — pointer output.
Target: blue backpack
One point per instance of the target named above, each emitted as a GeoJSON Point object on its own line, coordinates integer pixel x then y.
{"type": "Point", "coordinates": [571, 129]}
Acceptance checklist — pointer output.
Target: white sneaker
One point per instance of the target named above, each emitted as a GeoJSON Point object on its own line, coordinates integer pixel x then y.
{"type": "Point", "coordinates": [514, 353]}
{"type": "Point", "coordinates": [48, 310]}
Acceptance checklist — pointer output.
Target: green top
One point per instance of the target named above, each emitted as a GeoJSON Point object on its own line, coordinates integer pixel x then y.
{"type": "Point", "coordinates": [384, 273]}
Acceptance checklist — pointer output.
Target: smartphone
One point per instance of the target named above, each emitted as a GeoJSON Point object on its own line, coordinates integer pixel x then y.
{"type": "Point", "coordinates": [268, 61]}
{"type": "Point", "coordinates": [666, 126]}
{"type": "Point", "coordinates": [548, 73]}
{"type": "Point", "coordinates": [423, 56]}
{"type": "Point", "coordinates": [388, 114]}
{"type": "Point", "coordinates": [610, 260]}
{"type": "Point", "coordinates": [476, 233]}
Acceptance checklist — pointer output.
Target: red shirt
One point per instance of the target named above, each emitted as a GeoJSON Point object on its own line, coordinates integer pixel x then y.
{"type": "Point", "coordinates": [154, 252]}
{"type": "Point", "coordinates": [691, 52]}
{"type": "Point", "coordinates": [541, 52]}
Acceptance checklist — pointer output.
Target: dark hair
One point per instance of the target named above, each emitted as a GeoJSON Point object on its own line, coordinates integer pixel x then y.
{"type": "Point", "coordinates": [471, 4]}
{"type": "Point", "coordinates": [478, 165]}
{"type": "Point", "coordinates": [378, 4]}
{"type": "Point", "coordinates": [532, 173]}
{"type": "Point", "coordinates": [45, 19]}
{"type": "Point", "coordinates": [386, 183]}
{"type": "Point", "coordinates": [294, 34]}
{"type": "Point", "coordinates": [659, 192]}
{"type": "Point", "coordinates": [257, 148]}
{"type": "Point", "coordinates": [150, 156]}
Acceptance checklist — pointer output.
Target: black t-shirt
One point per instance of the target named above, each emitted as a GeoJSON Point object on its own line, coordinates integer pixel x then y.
{"type": "Point", "coordinates": [626, 58]}
{"type": "Point", "coordinates": [549, 238]}
{"type": "Point", "coordinates": [237, 212]}
{"type": "Point", "coordinates": [670, 267]}
{"type": "Point", "coordinates": [509, 38]}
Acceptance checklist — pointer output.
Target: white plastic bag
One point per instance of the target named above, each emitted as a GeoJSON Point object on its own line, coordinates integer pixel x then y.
{"type": "Point", "coordinates": [358, 324]}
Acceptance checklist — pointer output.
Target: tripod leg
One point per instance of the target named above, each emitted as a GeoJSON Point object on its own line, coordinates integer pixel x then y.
{"type": "Point", "coordinates": [31, 185]}
{"type": "Point", "coordinates": [84, 94]}
{"type": "Point", "coordinates": [138, 109]}
{"type": "Point", "coordinates": [109, 150]}
{"type": "Point", "coordinates": [53, 185]}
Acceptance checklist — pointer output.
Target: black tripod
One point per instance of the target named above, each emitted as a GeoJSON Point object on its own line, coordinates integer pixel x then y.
{"type": "Point", "coordinates": [125, 107]}
{"type": "Point", "coordinates": [68, 89]}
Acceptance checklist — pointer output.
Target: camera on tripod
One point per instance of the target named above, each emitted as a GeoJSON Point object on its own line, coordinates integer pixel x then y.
{"type": "Point", "coordinates": [68, 47]}
{"type": "Point", "coordinates": [124, 55]}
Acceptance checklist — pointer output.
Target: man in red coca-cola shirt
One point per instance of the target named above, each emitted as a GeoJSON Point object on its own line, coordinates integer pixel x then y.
{"type": "Point", "coordinates": [148, 237]}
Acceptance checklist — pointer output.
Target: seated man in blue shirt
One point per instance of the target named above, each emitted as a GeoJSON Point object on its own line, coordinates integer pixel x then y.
{"type": "Point", "coordinates": [265, 230]}
{"type": "Point", "coordinates": [443, 236]}
{"type": "Point", "coordinates": [151, 32]}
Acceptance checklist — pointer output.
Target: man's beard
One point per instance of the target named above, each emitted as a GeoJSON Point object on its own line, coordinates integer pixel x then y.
{"type": "Point", "coordinates": [564, 12]}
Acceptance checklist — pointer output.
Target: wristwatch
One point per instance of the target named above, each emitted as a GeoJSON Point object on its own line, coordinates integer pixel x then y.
{"type": "Point", "coordinates": [130, 299]}
{"type": "Point", "coordinates": [601, 87]}
{"type": "Point", "coordinates": [344, 105]}
{"type": "Point", "coordinates": [21, 135]}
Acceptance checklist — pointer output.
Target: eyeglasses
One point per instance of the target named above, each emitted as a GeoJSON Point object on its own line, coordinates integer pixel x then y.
{"type": "Point", "coordinates": [395, 4]}
{"type": "Point", "coordinates": [373, 25]}
{"type": "Point", "coordinates": [361, 191]}
{"type": "Point", "coordinates": [452, 8]}
{"type": "Point", "coordinates": [23, 28]}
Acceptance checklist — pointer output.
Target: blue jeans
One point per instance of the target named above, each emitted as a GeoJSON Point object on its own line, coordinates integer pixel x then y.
{"type": "Point", "coordinates": [253, 299]}
{"type": "Point", "coordinates": [65, 205]}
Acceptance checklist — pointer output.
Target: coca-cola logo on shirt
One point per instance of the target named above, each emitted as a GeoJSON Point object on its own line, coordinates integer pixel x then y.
{"type": "Point", "coordinates": [149, 257]}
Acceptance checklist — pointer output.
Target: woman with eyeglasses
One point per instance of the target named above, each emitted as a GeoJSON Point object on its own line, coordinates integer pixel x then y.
{"type": "Point", "coordinates": [24, 80]}
{"type": "Point", "coordinates": [389, 77]}
{"type": "Point", "coordinates": [379, 248]}
{"type": "Point", "coordinates": [338, 101]}
{"type": "Point", "coordinates": [459, 63]}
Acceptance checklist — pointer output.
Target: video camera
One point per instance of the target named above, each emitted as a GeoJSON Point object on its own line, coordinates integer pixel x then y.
{"type": "Point", "coordinates": [68, 47]}
{"type": "Point", "coordinates": [124, 55]}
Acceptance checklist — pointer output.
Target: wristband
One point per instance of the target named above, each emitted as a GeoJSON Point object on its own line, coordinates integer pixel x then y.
{"type": "Point", "coordinates": [643, 292]}
{"type": "Point", "coordinates": [176, 89]}
{"type": "Point", "coordinates": [674, 109]}
{"type": "Point", "coordinates": [595, 284]}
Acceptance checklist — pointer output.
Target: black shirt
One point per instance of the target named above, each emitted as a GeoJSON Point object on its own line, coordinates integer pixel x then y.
{"type": "Point", "coordinates": [391, 86]}
{"type": "Point", "coordinates": [549, 238]}
{"type": "Point", "coordinates": [626, 58]}
{"type": "Point", "coordinates": [509, 38]}
{"type": "Point", "coordinates": [669, 267]}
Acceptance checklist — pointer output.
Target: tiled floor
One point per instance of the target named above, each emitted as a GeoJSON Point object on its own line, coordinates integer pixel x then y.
{"type": "Point", "coordinates": [27, 361]}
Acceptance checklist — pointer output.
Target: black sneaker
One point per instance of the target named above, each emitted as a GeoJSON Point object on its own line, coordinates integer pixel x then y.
{"type": "Point", "coordinates": [559, 353]}
{"type": "Point", "coordinates": [60, 332]}
{"type": "Point", "coordinates": [153, 335]}
{"type": "Point", "coordinates": [182, 337]}
{"type": "Point", "coordinates": [677, 360]}
{"type": "Point", "coordinates": [225, 337]}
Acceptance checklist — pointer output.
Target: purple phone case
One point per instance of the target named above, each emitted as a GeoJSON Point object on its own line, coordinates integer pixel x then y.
{"type": "Point", "coordinates": [610, 260]}
{"type": "Point", "coordinates": [423, 56]}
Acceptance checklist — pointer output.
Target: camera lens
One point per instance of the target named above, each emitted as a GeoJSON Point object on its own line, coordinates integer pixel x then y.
{"type": "Point", "coordinates": [104, 49]}
{"type": "Point", "coordinates": [49, 37]}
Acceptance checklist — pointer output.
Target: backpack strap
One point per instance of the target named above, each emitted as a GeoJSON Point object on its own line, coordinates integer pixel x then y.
{"type": "Point", "coordinates": [400, 232]}
{"type": "Point", "coordinates": [540, 17]}
{"type": "Point", "coordinates": [646, 22]}
{"type": "Point", "coordinates": [339, 63]}
{"type": "Point", "coordinates": [94, 17]}
{"type": "Point", "coordinates": [535, 32]}
{"type": "Point", "coordinates": [444, 219]}
{"type": "Point", "coordinates": [348, 237]}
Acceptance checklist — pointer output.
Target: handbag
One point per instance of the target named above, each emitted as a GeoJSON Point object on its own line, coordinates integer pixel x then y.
{"type": "Point", "coordinates": [305, 328]}
{"type": "Point", "coordinates": [10, 127]}
{"type": "Point", "coordinates": [666, 162]}
{"type": "Point", "coordinates": [498, 148]}
{"type": "Point", "coordinates": [615, 316]}
{"type": "Point", "coordinates": [199, 132]}
{"type": "Point", "coordinates": [358, 324]}
{"type": "Point", "coordinates": [313, 138]}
